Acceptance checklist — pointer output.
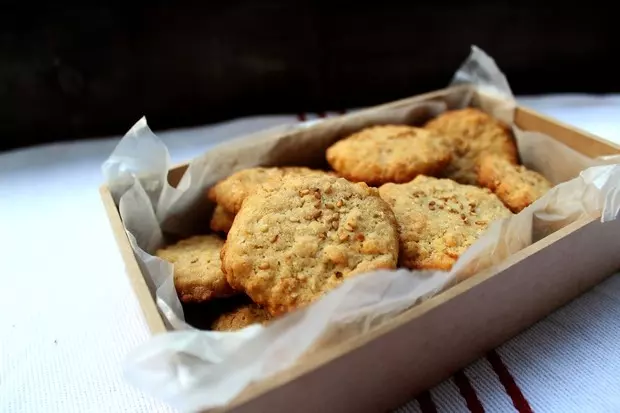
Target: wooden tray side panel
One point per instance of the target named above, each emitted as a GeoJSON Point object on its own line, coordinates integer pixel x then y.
{"type": "Point", "coordinates": [393, 368]}
{"type": "Point", "coordinates": [149, 308]}
{"type": "Point", "coordinates": [572, 137]}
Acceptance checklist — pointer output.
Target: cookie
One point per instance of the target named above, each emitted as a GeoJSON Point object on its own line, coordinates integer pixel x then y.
{"type": "Point", "coordinates": [472, 133]}
{"type": "Point", "coordinates": [240, 317]}
{"type": "Point", "coordinates": [515, 185]}
{"type": "Point", "coordinates": [389, 153]}
{"type": "Point", "coordinates": [439, 219]}
{"type": "Point", "coordinates": [221, 220]}
{"type": "Point", "coordinates": [232, 191]}
{"type": "Point", "coordinates": [198, 275]}
{"type": "Point", "coordinates": [296, 239]}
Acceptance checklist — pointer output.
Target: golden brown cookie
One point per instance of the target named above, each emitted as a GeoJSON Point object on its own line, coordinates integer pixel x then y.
{"type": "Point", "coordinates": [296, 239]}
{"type": "Point", "coordinates": [197, 268]}
{"type": "Point", "coordinates": [439, 219]}
{"type": "Point", "coordinates": [232, 191]}
{"type": "Point", "coordinates": [472, 133]}
{"type": "Point", "coordinates": [389, 153]}
{"type": "Point", "coordinates": [241, 317]}
{"type": "Point", "coordinates": [515, 185]}
{"type": "Point", "coordinates": [221, 220]}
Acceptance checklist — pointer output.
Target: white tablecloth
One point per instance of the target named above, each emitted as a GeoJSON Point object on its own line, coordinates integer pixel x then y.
{"type": "Point", "coordinates": [68, 315]}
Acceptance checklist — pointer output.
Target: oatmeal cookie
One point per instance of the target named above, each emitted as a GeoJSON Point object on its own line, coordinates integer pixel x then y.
{"type": "Point", "coordinates": [296, 239]}
{"type": "Point", "coordinates": [232, 191]}
{"type": "Point", "coordinates": [240, 317]}
{"type": "Point", "coordinates": [439, 219]}
{"type": "Point", "coordinates": [389, 153]}
{"type": "Point", "coordinates": [515, 185]}
{"type": "Point", "coordinates": [472, 133]}
{"type": "Point", "coordinates": [198, 275]}
{"type": "Point", "coordinates": [222, 220]}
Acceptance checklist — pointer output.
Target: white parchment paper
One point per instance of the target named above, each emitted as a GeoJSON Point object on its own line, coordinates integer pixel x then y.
{"type": "Point", "coordinates": [193, 369]}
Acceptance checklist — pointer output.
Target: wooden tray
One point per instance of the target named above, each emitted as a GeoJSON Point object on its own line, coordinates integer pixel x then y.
{"type": "Point", "coordinates": [427, 344]}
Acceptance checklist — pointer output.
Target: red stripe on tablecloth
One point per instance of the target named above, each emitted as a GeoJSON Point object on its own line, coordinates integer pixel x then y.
{"type": "Point", "coordinates": [511, 387]}
{"type": "Point", "coordinates": [468, 392]}
{"type": "Point", "coordinates": [301, 117]}
{"type": "Point", "coordinates": [427, 405]}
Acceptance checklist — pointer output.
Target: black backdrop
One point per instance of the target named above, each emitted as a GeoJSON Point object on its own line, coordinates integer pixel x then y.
{"type": "Point", "coordinates": [72, 73]}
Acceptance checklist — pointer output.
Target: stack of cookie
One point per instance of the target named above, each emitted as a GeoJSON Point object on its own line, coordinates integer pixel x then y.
{"type": "Point", "coordinates": [398, 196]}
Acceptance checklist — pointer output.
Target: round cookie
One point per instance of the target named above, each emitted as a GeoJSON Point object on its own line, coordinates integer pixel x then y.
{"type": "Point", "coordinates": [389, 153]}
{"type": "Point", "coordinates": [198, 274]}
{"type": "Point", "coordinates": [232, 191]}
{"type": "Point", "coordinates": [221, 220]}
{"type": "Point", "coordinates": [439, 219]}
{"type": "Point", "coordinates": [240, 317]}
{"type": "Point", "coordinates": [515, 185]}
{"type": "Point", "coordinates": [472, 133]}
{"type": "Point", "coordinates": [296, 239]}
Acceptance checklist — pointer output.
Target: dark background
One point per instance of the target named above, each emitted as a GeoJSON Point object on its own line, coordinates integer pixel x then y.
{"type": "Point", "coordinates": [72, 72]}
